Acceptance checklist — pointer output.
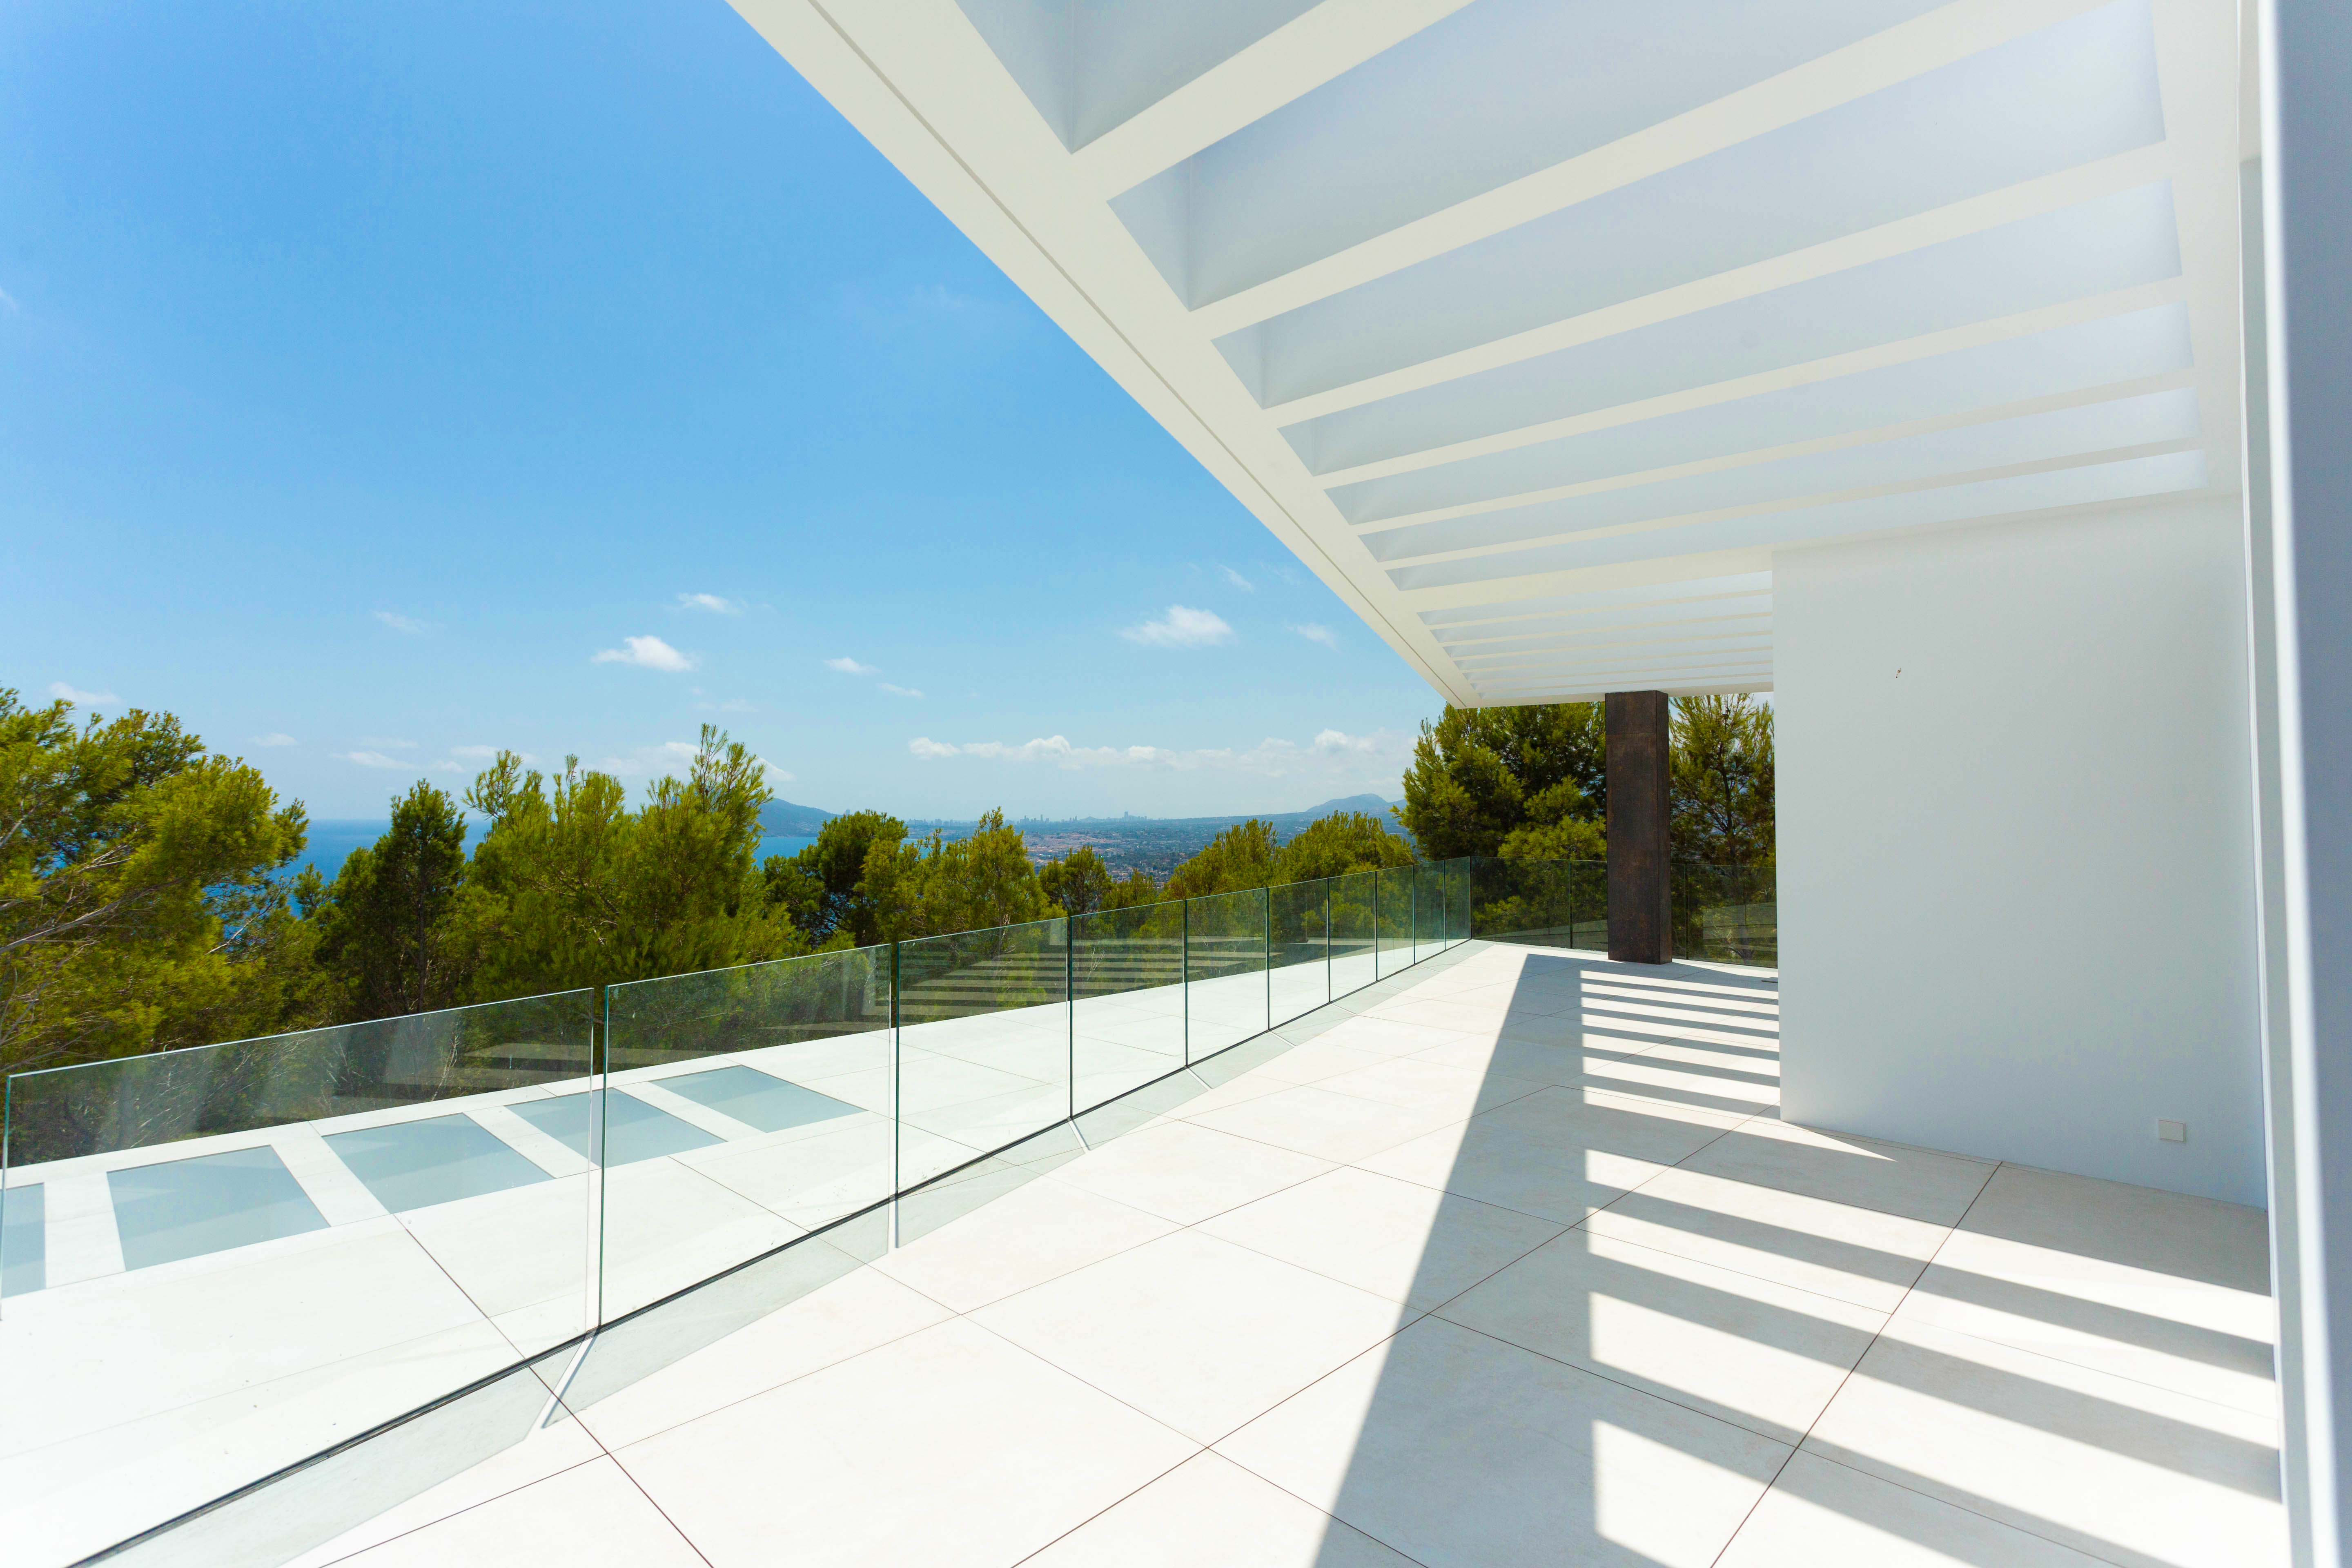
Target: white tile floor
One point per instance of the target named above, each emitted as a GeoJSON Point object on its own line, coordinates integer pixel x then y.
{"type": "Point", "coordinates": [1513, 1265]}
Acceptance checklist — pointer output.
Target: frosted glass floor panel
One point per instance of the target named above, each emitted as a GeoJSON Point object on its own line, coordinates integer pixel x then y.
{"type": "Point", "coordinates": [413, 1164]}
{"type": "Point", "coordinates": [185, 1208]}
{"type": "Point", "coordinates": [633, 1131]}
{"type": "Point", "coordinates": [757, 1099]}
{"type": "Point", "coordinates": [24, 1239]}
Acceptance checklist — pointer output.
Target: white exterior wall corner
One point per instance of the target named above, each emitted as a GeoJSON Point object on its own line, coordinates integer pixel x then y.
{"type": "Point", "coordinates": [2017, 877]}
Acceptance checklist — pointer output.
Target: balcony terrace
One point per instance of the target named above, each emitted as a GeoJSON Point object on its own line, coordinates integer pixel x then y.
{"type": "Point", "coordinates": [1505, 1258]}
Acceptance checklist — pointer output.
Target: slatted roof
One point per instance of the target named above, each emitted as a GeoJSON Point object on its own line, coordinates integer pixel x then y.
{"type": "Point", "coordinates": [1537, 328]}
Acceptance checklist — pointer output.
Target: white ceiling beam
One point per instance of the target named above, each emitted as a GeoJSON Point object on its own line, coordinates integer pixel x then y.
{"type": "Point", "coordinates": [1927, 345]}
{"type": "Point", "coordinates": [1287, 63]}
{"type": "Point", "coordinates": [1757, 584]}
{"type": "Point", "coordinates": [1568, 650]}
{"type": "Point", "coordinates": [1987, 414]}
{"type": "Point", "coordinates": [1536, 631]}
{"type": "Point", "coordinates": [1949, 33]}
{"type": "Point", "coordinates": [1976, 215]}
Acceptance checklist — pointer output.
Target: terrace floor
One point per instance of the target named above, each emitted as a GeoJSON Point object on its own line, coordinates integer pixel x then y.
{"type": "Point", "coordinates": [1507, 1260]}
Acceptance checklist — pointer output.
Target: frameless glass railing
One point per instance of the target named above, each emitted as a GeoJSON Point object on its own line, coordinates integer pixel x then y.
{"type": "Point", "coordinates": [237, 1256]}
{"type": "Point", "coordinates": [220, 1260]}
{"type": "Point", "coordinates": [1724, 914]}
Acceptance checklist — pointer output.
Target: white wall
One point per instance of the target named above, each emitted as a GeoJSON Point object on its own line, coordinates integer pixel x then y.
{"type": "Point", "coordinates": [2016, 865]}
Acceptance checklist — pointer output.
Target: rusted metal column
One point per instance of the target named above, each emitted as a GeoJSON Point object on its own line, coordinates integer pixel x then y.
{"type": "Point", "coordinates": [1641, 914]}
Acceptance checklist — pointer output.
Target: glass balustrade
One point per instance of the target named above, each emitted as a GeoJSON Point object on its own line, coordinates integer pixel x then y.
{"type": "Point", "coordinates": [320, 1232]}
{"type": "Point", "coordinates": [1354, 902]}
{"type": "Point", "coordinates": [741, 1108]}
{"type": "Point", "coordinates": [1224, 970]}
{"type": "Point", "coordinates": [246, 1252]}
{"type": "Point", "coordinates": [1722, 914]}
{"type": "Point", "coordinates": [984, 1043]}
{"type": "Point", "coordinates": [1298, 950]}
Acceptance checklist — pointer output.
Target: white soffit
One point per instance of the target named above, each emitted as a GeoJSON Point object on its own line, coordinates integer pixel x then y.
{"type": "Point", "coordinates": [1538, 329]}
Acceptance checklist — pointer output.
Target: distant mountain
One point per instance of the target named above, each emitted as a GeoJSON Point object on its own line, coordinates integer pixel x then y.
{"type": "Point", "coordinates": [1372, 804]}
{"type": "Point", "coordinates": [782, 819]}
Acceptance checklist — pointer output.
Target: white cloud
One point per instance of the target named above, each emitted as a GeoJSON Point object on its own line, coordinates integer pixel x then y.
{"type": "Point", "coordinates": [276, 738]}
{"type": "Point", "coordinates": [1372, 760]}
{"type": "Point", "coordinates": [779, 775]}
{"type": "Point", "coordinates": [401, 623]}
{"type": "Point", "coordinates": [900, 691]}
{"type": "Point", "coordinates": [710, 601]}
{"type": "Point", "coordinates": [732, 705]}
{"type": "Point", "coordinates": [1315, 631]}
{"type": "Point", "coordinates": [483, 753]}
{"type": "Point", "coordinates": [669, 757]}
{"type": "Point", "coordinates": [848, 666]}
{"type": "Point", "coordinates": [1236, 579]}
{"type": "Point", "coordinates": [1182, 627]}
{"type": "Point", "coordinates": [76, 694]}
{"type": "Point", "coordinates": [8, 300]}
{"type": "Point", "coordinates": [382, 744]}
{"type": "Point", "coordinates": [370, 759]}
{"type": "Point", "coordinates": [647, 653]}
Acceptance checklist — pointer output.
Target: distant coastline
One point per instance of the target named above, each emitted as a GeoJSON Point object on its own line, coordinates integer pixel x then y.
{"type": "Point", "coordinates": [1154, 844]}
{"type": "Point", "coordinates": [334, 839]}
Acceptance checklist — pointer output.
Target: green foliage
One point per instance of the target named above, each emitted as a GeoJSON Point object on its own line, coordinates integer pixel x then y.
{"type": "Point", "coordinates": [141, 903]}
{"type": "Point", "coordinates": [387, 932]}
{"type": "Point", "coordinates": [1137, 888]}
{"type": "Point", "coordinates": [580, 890]}
{"type": "Point", "coordinates": [1478, 773]}
{"type": "Point", "coordinates": [818, 888]}
{"type": "Point", "coordinates": [1722, 788]}
{"type": "Point", "coordinates": [932, 887]}
{"type": "Point", "coordinates": [1342, 842]}
{"type": "Point", "coordinates": [1079, 883]}
{"type": "Point", "coordinates": [1243, 856]}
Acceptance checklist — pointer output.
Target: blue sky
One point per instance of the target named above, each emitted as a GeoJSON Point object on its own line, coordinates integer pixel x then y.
{"type": "Point", "coordinates": [382, 384]}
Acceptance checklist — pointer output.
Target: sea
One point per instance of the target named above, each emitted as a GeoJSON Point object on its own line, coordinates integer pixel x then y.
{"type": "Point", "coordinates": [334, 839]}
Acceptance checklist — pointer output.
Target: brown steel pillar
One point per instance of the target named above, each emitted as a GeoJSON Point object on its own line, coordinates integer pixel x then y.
{"type": "Point", "coordinates": [1640, 919]}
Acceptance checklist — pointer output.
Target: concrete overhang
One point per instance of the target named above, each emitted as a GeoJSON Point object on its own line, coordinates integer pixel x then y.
{"type": "Point", "coordinates": [1538, 330]}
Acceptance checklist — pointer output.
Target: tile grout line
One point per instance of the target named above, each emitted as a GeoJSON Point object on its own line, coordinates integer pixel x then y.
{"type": "Point", "coordinates": [1409, 1317]}
{"type": "Point", "coordinates": [1794, 1448]}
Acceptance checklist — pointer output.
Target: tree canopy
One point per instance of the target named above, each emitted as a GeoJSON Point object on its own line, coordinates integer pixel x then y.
{"type": "Point", "coordinates": [1480, 775]}
{"type": "Point", "coordinates": [387, 930]}
{"type": "Point", "coordinates": [1531, 784]}
{"type": "Point", "coordinates": [1723, 781]}
{"type": "Point", "coordinates": [144, 899]}
{"type": "Point", "coordinates": [932, 887]}
{"type": "Point", "coordinates": [577, 889]}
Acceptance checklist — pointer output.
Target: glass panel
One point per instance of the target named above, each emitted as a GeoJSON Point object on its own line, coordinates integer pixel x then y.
{"type": "Point", "coordinates": [1126, 1016]}
{"type": "Point", "coordinates": [1725, 914]}
{"type": "Point", "coordinates": [1354, 932]}
{"type": "Point", "coordinates": [1224, 968]}
{"type": "Point", "coordinates": [1543, 903]}
{"type": "Point", "coordinates": [1428, 910]}
{"type": "Point", "coordinates": [1298, 977]}
{"type": "Point", "coordinates": [746, 1107]}
{"type": "Point", "coordinates": [313, 1232]}
{"type": "Point", "coordinates": [1395, 918]}
{"type": "Point", "coordinates": [983, 1043]}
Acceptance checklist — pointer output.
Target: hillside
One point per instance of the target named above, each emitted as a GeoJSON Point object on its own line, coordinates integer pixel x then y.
{"type": "Point", "coordinates": [782, 819]}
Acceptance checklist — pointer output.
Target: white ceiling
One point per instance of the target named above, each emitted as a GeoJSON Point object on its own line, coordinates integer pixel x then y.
{"type": "Point", "coordinates": [1536, 328]}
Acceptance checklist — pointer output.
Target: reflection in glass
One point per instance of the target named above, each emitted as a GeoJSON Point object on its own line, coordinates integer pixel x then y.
{"type": "Point", "coordinates": [1226, 985]}
{"type": "Point", "coordinates": [983, 1043]}
{"type": "Point", "coordinates": [1127, 989]}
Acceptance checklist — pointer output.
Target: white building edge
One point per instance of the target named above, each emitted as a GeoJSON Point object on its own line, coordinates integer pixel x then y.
{"type": "Point", "coordinates": [1971, 376]}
